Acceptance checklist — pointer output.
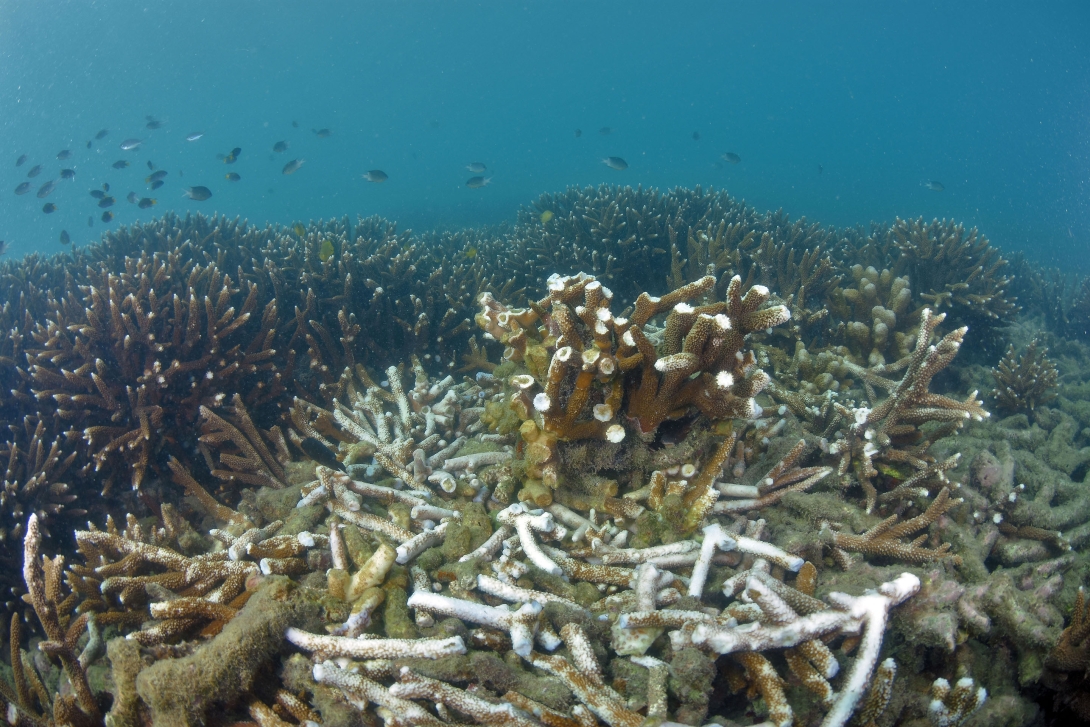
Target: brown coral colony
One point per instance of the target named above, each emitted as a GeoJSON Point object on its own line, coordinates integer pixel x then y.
{"type": "Point", "coordinates": [665, 459]}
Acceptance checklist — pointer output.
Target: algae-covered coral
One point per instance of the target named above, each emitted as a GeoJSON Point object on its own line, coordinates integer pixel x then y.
{"type": "Point", "coordinates": [660, 458]}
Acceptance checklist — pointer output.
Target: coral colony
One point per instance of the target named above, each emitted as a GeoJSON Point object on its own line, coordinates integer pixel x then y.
{"type": "Point", "coordinates": [659, 459]}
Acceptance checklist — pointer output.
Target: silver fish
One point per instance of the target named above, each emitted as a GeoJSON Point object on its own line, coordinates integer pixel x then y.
{"type": "Point", "coordinates": [130, 144]}
{"type": "Point", "coordinates": [194, 137]}
{"type": "Point", "coordinates": [732, 158]}
{"type": "Point", "coordinates": [934, 186]}
{"type": "Point", "coordinates": [476, 167]}
{"type": "Point", "coordinates": [293, 166]}
{"type": "Point", "coordinates": [478, 182]}
{"type": "Point", "coordinates": [615, 163]}
{"type": "Point", "coordinates": [376, 175]}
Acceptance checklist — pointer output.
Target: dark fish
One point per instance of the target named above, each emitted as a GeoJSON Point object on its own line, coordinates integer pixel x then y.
{"type": "Point", "coordinates": [107, 216]}
{"type": "Point", "coordinates": [478, 182]}
{"type": "Point", "coordinates": [232, 176]}
{"type": "Point", "coordinates": [90, 221]}
{"type": "Point", "coordinates": [321, 453]}
{"type": "Point", "coordinates": [732, 158]}
{"type": "Point", "coordinates": [106, 202]}
{"type": "Point", "coordinates": [120, 164]}
{"type": "Point", "coordinates": [295, 124]}
{"type": "Point", "coordinates": [615, 163]}
{"type": "Point", "coordinates": [280, 146]}
{"type": "Point", "coordinates": [236, 151]}
{"type": "Point", "coordinates": [3, 247]}
{"type": "Point", "coordinates": [68, 174]}
{"type": "Point", "coordinates": [65, 239]}
{"type": "Point", "coordinates": [155, 176]}
{"type": "Point", "coordinates": [153, 123]}
{"type": "Point", "coordinates": [578, 133]}
{"type": "Point", "coordinates": [476, 167]}
{"type": "Point", "coordinates": [376, 175]}
{"type": "Point", "coordinates": [131, 197]}
{"type": "Point", "coordinates": [49, 208]}
{"type": "Point", "coordinates": [130, 144]}
{"type": "Point", "coordinates": [88, 143]}
{"type": "Point", "coordinates": [293, 166]}
{"type": "Point", "coordinates": [21, 160]}
{"type": "Point", "coordinates": [233, 156]}
{"type": "Point", "coordinates": [97, 193]}
{"type": "Point", "coordinates": [151, 165]}
{"type": "Point", "coordinates": [64, 154]}
{"type": "Point", "coordinates": [146, 202]}
{"type": "Point", "coordinates": [23, 188]}
{"type": "Point", "coordinates": [156, 184]}
{"type": "Point", "coordinates": [102, 134]}
{"type": "Point", "coordinates": [696, 136]}
{"type": "Point", "coordinates": [105, 186]}
{"type": "Point", "coordinates": [934, 186]}
{"type": "Point", "coordinates": [34, 171]}
{"type": "Point", "coordinates": [194, 137]}
{"type": "Point", "coordinates": [605, 131]}
{"type": "Point", "coordinates": [47, 189]}
{"type": "Point", "coordinates": [322, 133]}
{"type": "Point", "coordinates": [199, 194]}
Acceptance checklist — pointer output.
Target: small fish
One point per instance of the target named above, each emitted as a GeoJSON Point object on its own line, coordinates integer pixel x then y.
{"type": "Point", "coordinates": [47, 189]}
{"type": "Point", "coordinates": [90, 221]}
{"type": "Point", "coordinates": [615, 163]}
{"type": "Point", "coordinates": [376, 175]}
{"type": "Point", "coordinates": [326, 250]}
{"type": "Point", "coordinates": [156, 184]}
{"type": "Point", "coordinates": [194, 136]}
{"type": "Point", "coordinates": [151, 165]}
{"type": "Point", "coordinates": [64, 154]}
{"type": "Point", "coordinates": [21, 160]}
{"type": "Point", "coordinates": [65, 239]}
{"type": "Point", "coordinates": [293, 166]}
{"type": "Point", "coordinates": [107, 216]}
{"type": "Point", "coordinates": [49, 208]}
{"type": "Point", "coordinates": [934, 186]}
{"type": "Point", "coordinates": [88, 143]}
{"type": "Point", "coordinates": [97, 193]}
{"type": "Point", "coordinates": [130, 144]}
{"type": "Point", "coordinates": [478, 182]}
{"type": "Point", "coordinates": [153, 123]}
{"type": "Point", "coordinates": [131, 197]}
{"type": "Point", "coordinates": [232, 176]}
{"type": "Point", "coordinates": [105, 186]}
{"type": "Point", "coordinates": [68, 174]}
{"type": "Point", "coordinates": [155, 176]}
{"type": "Point", "coordinates": [299, 230]}
{"type": "Point", "coordinates": [106, 202]}
{"type": "Point", "coordinates": [696, 136]}
{"type": "Point", "coordinates": [280, 147]}
{"type": "Point", "coordinates": [295, 124]}
{"type": "Point", "coordinates": [546, 216]}
{"type": "Point", "coordinates": [3, 247]}
{"type": "Point", "coordinates": [23, 188]}
{"type": "Point", "coordinates": [476, 167]}
{"type": "Point", "coordinates": [120, 164]}
{"type": "Point", "coordinates": [34, 171]}
{"type": "Point", "coordinates": [101, 134]}
{"type": "Point", "coordinates": [322, 133]}
{"type": "Point", "coordinates": [321, 453]}
{"type": "Point", "coordinates": [146, 202]}
{"type": "Point", "coordinates": [732, 158]}
{"type": "Point", "coordinates": [605, 131]}
{"type": "Point", "coordinates": [199, 194]}
{"type": "Point", "coordinates": [471, 252]}
{"type": "Point", "coordinates": [578, 133]}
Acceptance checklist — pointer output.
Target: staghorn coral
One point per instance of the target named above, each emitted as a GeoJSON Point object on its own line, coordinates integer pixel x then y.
{"type": "Point", "coordinates": [1022, 383]}
{"type": "Point", "coordinates": [875, 316]}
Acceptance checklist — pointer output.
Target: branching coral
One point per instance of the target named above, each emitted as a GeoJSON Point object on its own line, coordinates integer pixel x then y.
{"type": "Point", "coordinates": [1022, 383]}
{"type": "Point", "coordinates": [889, 433]}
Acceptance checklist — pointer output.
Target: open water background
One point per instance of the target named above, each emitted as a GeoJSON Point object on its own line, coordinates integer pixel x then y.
{"type": "Point", "coordinates": [990, 98]}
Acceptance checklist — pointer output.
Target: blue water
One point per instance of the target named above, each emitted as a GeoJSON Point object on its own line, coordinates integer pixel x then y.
{"type": "Point", "coordinates": [991, 99]}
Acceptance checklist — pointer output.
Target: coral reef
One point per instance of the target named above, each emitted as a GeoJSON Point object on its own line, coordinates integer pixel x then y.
{"type": "Point", "coordinates": [728, 472]}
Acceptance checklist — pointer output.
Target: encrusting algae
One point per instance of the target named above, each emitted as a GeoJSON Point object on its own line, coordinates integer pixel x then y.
{"type": "Point", "coordinates": [564, 473]}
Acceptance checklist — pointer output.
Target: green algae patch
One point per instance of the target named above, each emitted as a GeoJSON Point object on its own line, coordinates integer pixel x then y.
{"type": "Point", "coordinates": [179, 692]}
